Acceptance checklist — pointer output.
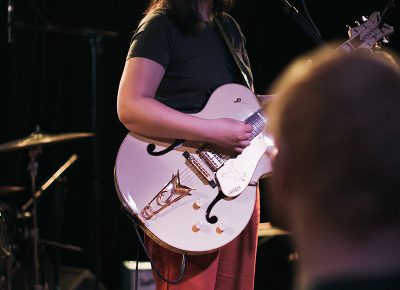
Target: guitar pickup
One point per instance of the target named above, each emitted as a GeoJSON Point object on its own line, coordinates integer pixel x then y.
{"type": "Point", "coordinates": [197, 164]}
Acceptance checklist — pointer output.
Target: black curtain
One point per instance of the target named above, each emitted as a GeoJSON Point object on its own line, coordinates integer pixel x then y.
{"type": "Point", "coordinates": [47, 82]}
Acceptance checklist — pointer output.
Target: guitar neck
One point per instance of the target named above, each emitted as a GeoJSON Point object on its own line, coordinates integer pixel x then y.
{"type": "Point", "coordinates": [351, 45]}
{"type": "Point", "coordinates": [258, 121]}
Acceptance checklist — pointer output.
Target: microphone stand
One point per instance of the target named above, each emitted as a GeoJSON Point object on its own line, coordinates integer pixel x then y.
{"type": "Point", "coordinates": [10, 11]}
{"type": "Point", "coordinates": [390, 5]}
{"type": "Point", "coordinates": [289, 9]}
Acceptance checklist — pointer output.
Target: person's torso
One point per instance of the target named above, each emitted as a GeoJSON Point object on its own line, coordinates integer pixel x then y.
{"type": "Point", "coordinates": [195, 65]}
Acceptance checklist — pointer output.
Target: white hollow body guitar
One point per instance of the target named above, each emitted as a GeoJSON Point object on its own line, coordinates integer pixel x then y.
{"type": "Point", "coordinates": [193, 199]}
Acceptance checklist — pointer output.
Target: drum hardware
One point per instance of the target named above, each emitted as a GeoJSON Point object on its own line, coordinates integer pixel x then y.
{"type": "Point", "coordinates": [7, 189]}
{"type": "Point", "coordinates": [24, 215]}
{"type": "Point", "coordinates": [9, 260]}
{"type": "Point", "coordinates": [266, 232]}
{"type": "Point", "coordinates": [39, 138]}
{"type": "Point", "coordinates": [33, 169]}
{"type": "Point", "coordinates": [33, 202]}
{"type": "Point", "coordinates": [61, 245]}
{"type": "Point", "coordinates": [5, 243]}
{"type": "Point", "coordinates": [38, 193]}
{"type": "Point", "coordinates": [7, 265]}
{"type": "Point", "coordinates": [95, 38]}
{"type": "Point", "coordinates": [34, 143]}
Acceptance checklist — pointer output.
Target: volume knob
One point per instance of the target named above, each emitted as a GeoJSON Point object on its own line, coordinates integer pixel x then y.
{"type": "Point", "coordinates": [197, 226]}
{"type": "Point", "coordinates": [220, 228]}
{"type": "Point", "coordinates": [198, 204]}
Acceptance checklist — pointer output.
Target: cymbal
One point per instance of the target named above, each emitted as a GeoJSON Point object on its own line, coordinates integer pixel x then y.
{"type": "Point", "coordinates": [267, 230]}
{"type": "Point", "coordinates": [10, 189]}
{"type": "Point", "coordinates": [40, 138]}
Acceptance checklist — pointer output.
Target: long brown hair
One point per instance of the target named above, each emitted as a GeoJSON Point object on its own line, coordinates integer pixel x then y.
{"type": "Point", "coordinates": [185, 12]}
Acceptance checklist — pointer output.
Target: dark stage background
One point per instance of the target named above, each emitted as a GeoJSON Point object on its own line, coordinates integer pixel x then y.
{"type": "Point", "coordinates": [48, 81]}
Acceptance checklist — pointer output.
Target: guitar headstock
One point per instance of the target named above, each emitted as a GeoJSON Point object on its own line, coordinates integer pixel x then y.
{"type": "Point", "coordinates": [368, 34]}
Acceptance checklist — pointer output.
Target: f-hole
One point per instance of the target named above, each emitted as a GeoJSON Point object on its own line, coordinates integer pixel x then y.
{"type": "Point", "coordinates": [214, 219]}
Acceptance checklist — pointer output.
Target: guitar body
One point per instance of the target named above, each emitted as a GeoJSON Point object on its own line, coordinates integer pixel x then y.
{"type": "Point", "coordinates": [147, 184]}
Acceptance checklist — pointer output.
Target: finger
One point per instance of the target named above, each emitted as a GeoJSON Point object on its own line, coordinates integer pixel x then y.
{"type": "Point", "coordinates": [238, 149]}
{"type": "Point", "coordinates": [245, 137]}
{"type": "Point", "coordinates": [244, 143]}
{"type": "Point", "coordinates": [248, 128]}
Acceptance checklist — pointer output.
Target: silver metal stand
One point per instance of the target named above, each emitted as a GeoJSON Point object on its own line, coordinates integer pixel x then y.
{"type": "Point", "coordinates": [33, 169]}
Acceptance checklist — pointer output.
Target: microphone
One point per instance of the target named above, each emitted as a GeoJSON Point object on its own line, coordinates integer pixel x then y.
{"type": "Point", "coordinates": [10, 11]}
{"type": "Point", "coordinates": [290, 7]}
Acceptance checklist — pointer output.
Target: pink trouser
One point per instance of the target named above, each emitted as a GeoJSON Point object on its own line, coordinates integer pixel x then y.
{"type": "Point", "coordinates": [231, 267]}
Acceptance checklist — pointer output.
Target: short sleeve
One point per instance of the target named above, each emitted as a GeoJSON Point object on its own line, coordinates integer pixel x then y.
{"type": "Point", "coordinates": [153, 39]}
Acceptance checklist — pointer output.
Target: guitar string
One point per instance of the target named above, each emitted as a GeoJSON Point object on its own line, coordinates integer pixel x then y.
{"type": "Point", "coordinates": [190, 174]}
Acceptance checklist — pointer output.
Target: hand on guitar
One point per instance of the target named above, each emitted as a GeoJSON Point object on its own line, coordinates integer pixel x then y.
{"type": "Point", "coordinates": [230, 134]}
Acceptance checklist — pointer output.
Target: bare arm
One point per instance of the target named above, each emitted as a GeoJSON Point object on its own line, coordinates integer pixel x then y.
{"type": "Point", "coordinates": [141, 113]}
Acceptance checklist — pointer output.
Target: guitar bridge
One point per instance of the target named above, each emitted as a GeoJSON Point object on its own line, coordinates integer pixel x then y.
{"type": "Point", "coordinates": [171, 193]}
{"type": "Point", "coordinates": [207, 174]}
{"type": "Point", "coordinates": [210, 157]}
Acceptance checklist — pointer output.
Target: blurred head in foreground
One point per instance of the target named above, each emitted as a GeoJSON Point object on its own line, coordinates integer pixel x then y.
{"type": "Point", "coordinates": [336, 176]}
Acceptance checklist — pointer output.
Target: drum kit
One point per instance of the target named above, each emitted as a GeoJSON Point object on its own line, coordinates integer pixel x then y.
{"type": "Point", "coordinates": [9, 216]}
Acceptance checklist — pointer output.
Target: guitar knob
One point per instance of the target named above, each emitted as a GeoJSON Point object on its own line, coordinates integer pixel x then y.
{"type": "Point", "coordinates": [198, 204]}
{"type": "Point", "coordinates": [364, 18]}
{"type": "Point", "coordinates": [221, 228]}
{"type": "Point", "coordinates": [197, 226]}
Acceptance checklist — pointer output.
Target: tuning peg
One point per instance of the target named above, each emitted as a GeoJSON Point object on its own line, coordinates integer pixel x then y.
{"type": "Point", "coordinates": [348, 30]}
{"type": "Point", "coordinates": [356, 22]}
{"type": "Point", "coordinates": [385, 40]}
{"type": "Point", "coordinates": [364, 18]}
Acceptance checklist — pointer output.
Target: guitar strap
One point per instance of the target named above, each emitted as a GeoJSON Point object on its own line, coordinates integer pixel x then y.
{"type": "Point", "coordinates": [238, 61]}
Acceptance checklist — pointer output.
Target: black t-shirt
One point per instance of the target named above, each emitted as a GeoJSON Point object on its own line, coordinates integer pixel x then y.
{"type": "Point", "coordinates": [195, 64]}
